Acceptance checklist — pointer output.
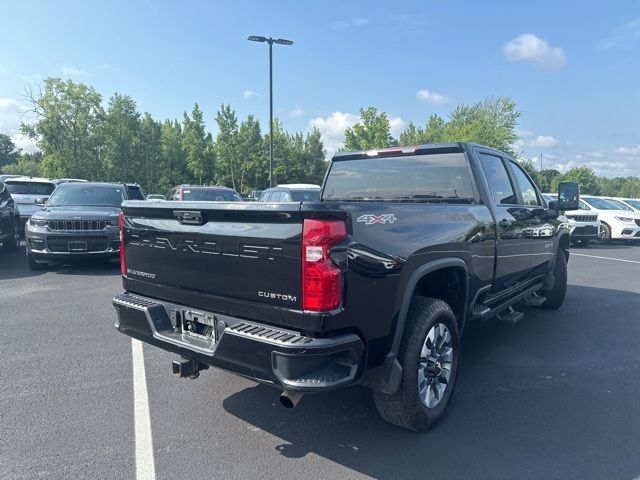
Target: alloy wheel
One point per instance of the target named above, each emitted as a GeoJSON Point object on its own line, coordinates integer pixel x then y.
{"type": "Point", "coordinates": [435, 365]}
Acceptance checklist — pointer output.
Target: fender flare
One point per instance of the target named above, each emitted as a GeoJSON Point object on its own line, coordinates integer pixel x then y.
{"type": "Point", "coordinates": [387, 377]}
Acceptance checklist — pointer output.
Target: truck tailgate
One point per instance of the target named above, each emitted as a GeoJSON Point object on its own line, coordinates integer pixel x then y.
{"type": "Point", "coordinates": [235, 252]}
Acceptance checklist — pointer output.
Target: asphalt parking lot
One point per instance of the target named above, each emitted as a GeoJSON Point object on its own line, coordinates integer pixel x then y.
{"type": "Point", "coordinates": [555, 396]}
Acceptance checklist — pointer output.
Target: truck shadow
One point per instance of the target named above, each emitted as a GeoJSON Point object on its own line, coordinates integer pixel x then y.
{"type": "Point", "coordinates": [541, 399]}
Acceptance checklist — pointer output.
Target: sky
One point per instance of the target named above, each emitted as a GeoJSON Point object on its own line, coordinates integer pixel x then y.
{"type": "Point", "coordinates": [573, 67]}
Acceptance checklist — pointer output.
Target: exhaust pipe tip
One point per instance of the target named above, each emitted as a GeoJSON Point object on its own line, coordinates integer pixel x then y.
{"type": "Point", "coordinates": [289, 399]}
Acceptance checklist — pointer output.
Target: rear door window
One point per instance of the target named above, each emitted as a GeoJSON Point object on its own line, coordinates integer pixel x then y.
{"type": "Point", "coordinates": [498, 179]}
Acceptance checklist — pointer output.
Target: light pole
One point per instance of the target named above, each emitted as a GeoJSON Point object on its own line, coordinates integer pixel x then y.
{"type": "Point", "coordinates": [270, 41]}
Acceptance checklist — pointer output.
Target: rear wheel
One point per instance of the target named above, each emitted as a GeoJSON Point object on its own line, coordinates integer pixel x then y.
{"type": "Point", "coordinates": [555, 296]}
{"type": "Point", "coordinates": [429, 357]}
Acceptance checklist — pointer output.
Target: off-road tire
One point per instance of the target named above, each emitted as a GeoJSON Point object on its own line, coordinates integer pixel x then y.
{"type": "Point", "coordinates": [555, 296]}
{"type": "Point", "coordinates": [405, 408]}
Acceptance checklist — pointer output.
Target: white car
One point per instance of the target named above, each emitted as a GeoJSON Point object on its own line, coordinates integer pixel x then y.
{"type": "Point", "coordinates": [614, 223]}
{"type": "Point", "coordinates": [584, 225]}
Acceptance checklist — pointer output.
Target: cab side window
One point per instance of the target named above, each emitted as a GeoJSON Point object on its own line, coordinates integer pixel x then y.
{"type": "Point", "coordinates": [529, 195]}
{"type": "Point", "coordinates": [498, 179]}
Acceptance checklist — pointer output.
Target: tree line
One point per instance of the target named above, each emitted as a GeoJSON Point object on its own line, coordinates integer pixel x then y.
{"type": "Point", "coordinates": [79, 137]}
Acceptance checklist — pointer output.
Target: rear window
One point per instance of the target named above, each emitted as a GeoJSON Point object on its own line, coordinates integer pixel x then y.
{"type": "Point", "coordinates": [305, 195]}
{"type": "Point", "coordinates": [30, 188]}
{"type": "Point", "coordinates": [417, 177]}
{"type": "Point", "coordinates": [210, 195]}
{"type": "Point", "coordinates": [134, 192]}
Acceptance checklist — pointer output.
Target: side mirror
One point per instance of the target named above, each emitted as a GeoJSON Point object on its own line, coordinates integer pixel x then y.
{"type": "Point", "coordinates": [568, 196]}
{"type": "Point", "coordinates": [40, 201]}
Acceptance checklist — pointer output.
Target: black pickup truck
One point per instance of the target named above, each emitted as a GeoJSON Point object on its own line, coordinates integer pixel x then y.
{"type": "Point", "coordinates": [373, 284]}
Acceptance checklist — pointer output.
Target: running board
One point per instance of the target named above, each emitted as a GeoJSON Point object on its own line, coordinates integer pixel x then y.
{"type": "Point", "coordinates": [511, 317]}
{"type": "Point", "coordinates": [482, 312]}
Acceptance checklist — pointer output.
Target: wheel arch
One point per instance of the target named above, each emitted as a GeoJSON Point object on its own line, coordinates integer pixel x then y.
{"type": "Point", "coordinates": [387, 377]}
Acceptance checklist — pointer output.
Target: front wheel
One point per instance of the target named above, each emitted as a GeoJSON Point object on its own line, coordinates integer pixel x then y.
{"type": "Point", "coordinates": [13, 242]}
{"type": "Point", "coordinates": [605, 232]}
{"type": "Point", "coordinates": [33, 265]}
{"type": "Point", "coordinates": [555, 296]}
{"type": "Point", "coordinates": [429, 357]}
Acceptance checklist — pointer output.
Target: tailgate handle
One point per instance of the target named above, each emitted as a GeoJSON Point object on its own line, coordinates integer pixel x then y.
{"type": "Point", "coordinates": [189, 217]}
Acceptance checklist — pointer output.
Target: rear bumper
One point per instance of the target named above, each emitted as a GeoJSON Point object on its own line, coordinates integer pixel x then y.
{"type": "Point", "coordinates": [263, 353]}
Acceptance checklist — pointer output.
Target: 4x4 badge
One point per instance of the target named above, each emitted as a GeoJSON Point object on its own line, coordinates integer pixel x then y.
{"type": "Point", "coordinates": [370, 219]}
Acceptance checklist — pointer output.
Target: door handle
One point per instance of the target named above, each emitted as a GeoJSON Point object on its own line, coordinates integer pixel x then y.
{"type": "Point", "coordinates": [504, 223]}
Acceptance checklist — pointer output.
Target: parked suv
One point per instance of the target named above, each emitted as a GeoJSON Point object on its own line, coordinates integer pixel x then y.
{"type": "Point", "coordinates": [372, 284]}
{"type": "Point", "coordinates": [294, 192]}
{"type": "Point", "coordinates": [583, 224]}
{"type": "Point", "coordinates": [201, 193]}
{"type": "Point", "coordinates": [616, 222]}
{"type": "Point", "coordinates": [9, 220]}
{"type": "Point", "coordinates": [25, 191]}
{"type": "Point", "coordinates": [79, 220]}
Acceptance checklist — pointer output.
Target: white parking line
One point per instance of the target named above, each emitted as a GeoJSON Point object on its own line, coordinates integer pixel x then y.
{"type": "Point", "coordinates": [604, 258]}
{"type": "Point", "coordinates": [145, 466]}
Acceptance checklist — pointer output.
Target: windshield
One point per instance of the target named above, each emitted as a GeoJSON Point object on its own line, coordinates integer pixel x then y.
{"type": "Point", "coordinates": [30, 188]}
{"type": "Point", "coordinates": [210, 195]}
{"type": "Point", "coordinates": [86, 196]}
{"type": "Point", "coordinates": [602, 204]}
{"type": "Point", "coordinates": [633, 202]}
{"type": "Point", "coordinates": [431, 177]}
{"type": "Point", "coordinates": [305, 195]}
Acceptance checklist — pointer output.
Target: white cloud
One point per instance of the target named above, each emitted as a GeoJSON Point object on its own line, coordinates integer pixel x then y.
{"type": "Point", "coordinates": [249, 93]}
{"type": "Point", "coordinates": [69, 71]}
{"type": "Point", "coordinates": [431, 97]}
{"type": "Point", "coordinates": [528, 47]}
{"type": "Point", "coordinates": [396, 125]}
{"type": "Point", "coordinates": [531, 140]}
{"type": "Point", "coordinates": [9, 105]}
{"type": "Point", "coordinates": [24, 143]}
{"type": "Point", "coordinates": [355, 22]}
{"type": "Point", "coordinates": [11, 113]}
{"type": "Point", "coordinates": [332, 128]}
{"type": "Point", "coordinates": [623, 36]}
{"type": "Point", "coordinates": [628, 150]}
{"type": "Point", "coordinates": [296, 111]}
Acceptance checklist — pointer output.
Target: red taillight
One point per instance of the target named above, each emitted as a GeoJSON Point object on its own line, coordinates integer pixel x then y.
{"type": "Point", "coordinates": [321, 278]}
{"type": "Point", "coordinates": [123, 262]}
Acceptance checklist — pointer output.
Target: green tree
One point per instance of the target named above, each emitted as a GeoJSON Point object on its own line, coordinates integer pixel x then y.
{"type": "Point", "coordinates": [8, 152]}
{"type": "Point", "coordinates": [372, 131]}
{"type": "Point", "coordinates": [173, 159]}
{"type": "Point", "coordinates": [585, 178]}
{"type": "Point", "coordinates": [252, 156]}
{"type": "Point", "coordinates": [194, 142]}
{"type": "Point", "coordinates": [28, 164]}
{"type": "Point", "coordinates": [491, 122]}
{"type": "Point", "coordinates": [69, 117]}
{"type": "Point", "coordinates": [150, 147]}
{"type": "Point", "coordinates": [121, 131]}
{"type": "Point", "coordinates": [227, 147]}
